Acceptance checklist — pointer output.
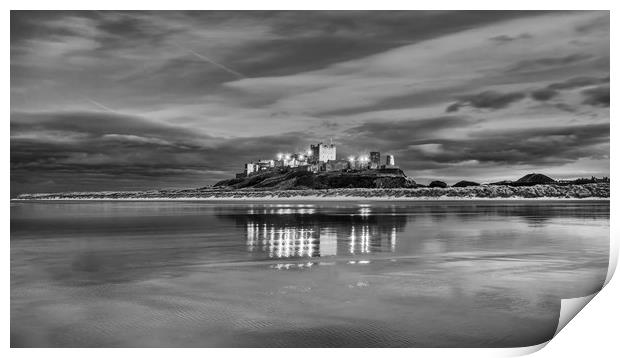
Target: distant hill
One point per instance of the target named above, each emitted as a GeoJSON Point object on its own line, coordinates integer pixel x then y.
{"type": "Point", "coordinates": [535, 178]}
{"type": "Point", "coordinates": [437, 184]}
{"type": "Point", "coordinates": [465, 183]}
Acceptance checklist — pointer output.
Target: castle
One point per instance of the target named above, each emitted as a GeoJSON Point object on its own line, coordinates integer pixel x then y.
{"type": "Point", "coordinates": [318, 158]}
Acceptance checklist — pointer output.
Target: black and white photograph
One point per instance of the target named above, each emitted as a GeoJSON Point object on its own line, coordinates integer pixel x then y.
{"type": "Point", "coordinates": [306, 178]}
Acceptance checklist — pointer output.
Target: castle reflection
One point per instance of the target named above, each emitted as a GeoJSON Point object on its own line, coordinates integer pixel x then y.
{"type": "Point", "coordinates": [289, 231]}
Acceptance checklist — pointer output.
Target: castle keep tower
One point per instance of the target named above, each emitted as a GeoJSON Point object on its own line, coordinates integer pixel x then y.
{"type": "Point", "coordinates": [323, 152]}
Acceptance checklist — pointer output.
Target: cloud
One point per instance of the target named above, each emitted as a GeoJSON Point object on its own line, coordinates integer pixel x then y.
{"type": "Point", "coordinates": [307, 37]}
{"type": "Point", "coordinates": [544, 94]}
{"type": "Point", "coordinates": [410, 130]}
{"type": "Point", "coordinates": [96, 124]}
{"type": "Point", "coordinates": [95, 146]}
{"type": "Point", "coordinates": [431, 148]}
{"type": "Point", "coordinates": [168, 116]}
{"type": "Point", "coordinates": [553, 89]}
{"type": "Point", "coordinates": [598, 96]}
{"type": "Point", "coordinates": [577, 82]}
{"type": "Point", "coordinates": [547, 62]}
{"type": "Point", "coordinates": [136, 139]}
{"type": "Point", "coordinates": [453, 107]}
{"type": "Point", "coordinates": [545, 145]}
{"type": "Point", "coordinates": [506, 38]}
{"type": "Point", "coordinates": [598, 25]}
{"type": "Point", "coordinates": [412, 70]}
{"type": "Point", "coordinates": [486, 100]}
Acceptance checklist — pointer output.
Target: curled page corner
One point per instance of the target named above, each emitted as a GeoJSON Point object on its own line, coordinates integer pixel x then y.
{"type": "Point", "coordinates": [523, 351]}
{"type": "Point", "coordinates": [613, 259]}
{"type": "Point", "coordinates": [569, 309]}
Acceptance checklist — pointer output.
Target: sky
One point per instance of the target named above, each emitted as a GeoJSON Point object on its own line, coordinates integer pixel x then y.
{"type": "Point", "coordinates": [134, 100]}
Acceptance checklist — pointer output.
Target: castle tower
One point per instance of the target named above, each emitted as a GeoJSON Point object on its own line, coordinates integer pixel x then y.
{"type": "Point", "coordinates": [375, 160]}
{"type": "Point", "coordinates": [323, 152]}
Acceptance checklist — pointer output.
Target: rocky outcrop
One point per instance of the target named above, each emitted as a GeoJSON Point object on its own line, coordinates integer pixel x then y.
{"type": "Point", "coordinates": [535, 178]}
{"type": "Point", "coordinates": [288, 180]}
{"type": "Point", "coordinates": [437, 184]}
{"type": "Point", "coordinates": [464, 184]}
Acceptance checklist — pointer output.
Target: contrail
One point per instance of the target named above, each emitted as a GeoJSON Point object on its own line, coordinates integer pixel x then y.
{"type": "Point", "coordinates": [227, 69]}
{"type": "Point", "coordinates": [100, 105]}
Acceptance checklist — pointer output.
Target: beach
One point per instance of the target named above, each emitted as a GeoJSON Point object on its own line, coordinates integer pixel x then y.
{"type": "Point", "coordinates": [226, 274]}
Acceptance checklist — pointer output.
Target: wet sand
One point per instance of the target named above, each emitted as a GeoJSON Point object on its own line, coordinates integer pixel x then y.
{"type": "Point", "coordinates": [195, 274]}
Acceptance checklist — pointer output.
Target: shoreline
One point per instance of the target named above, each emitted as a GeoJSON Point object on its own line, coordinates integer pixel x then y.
{"type": "Point", "coordinates": [482, 193]}
{"type": "Point", "coordinates": [319, 199]}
